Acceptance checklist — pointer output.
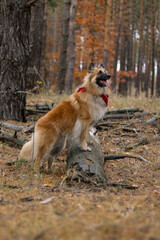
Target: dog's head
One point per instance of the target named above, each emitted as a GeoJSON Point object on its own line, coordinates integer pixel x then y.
{"type": "Point", "coordinates": [97, 78]}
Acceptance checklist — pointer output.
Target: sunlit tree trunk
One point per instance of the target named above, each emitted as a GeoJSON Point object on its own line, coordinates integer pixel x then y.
{"type": "Point", "coordinates": [147, 60]}
{"type": "Point", "coordinates": [117, 25]}
{"type": "Point", "coordinates": [37, 40]}
{"type": "Point", "coordinates": [14, 56]}
{"type": "Point", "coordinates": [107, 28]}
{"type": "Point", "coordinates": [140, 51]}
{"type": "Point", "coordinates": [153, 46]}
{"type": "Point", "coordinates": [71, 50]}
{"type": "Point", "coordinates": [130, 12]}
{"type": "Point", "coordinates": [123, 85]}
{"type": "Point", "coordinates": [158, 62]}
{"type": "Point", "coordinates": [64, 44]}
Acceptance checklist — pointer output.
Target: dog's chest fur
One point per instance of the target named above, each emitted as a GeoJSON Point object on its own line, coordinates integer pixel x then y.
{"type": "Point", "coordinates": [97, 108]}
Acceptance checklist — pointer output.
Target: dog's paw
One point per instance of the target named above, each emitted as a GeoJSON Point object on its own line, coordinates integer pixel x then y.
{"type": "Point", "coordinates": [86, 148]}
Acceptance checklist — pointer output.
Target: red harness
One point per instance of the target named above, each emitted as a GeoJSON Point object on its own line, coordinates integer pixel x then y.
{"type": "Point", "coordinates": [104, 97]}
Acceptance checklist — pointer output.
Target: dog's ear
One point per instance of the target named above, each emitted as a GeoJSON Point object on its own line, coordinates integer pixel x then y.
{"type": "Point", "coordinates": [91, 66]}
{"type": "Point", "coordinates": [101, 65]}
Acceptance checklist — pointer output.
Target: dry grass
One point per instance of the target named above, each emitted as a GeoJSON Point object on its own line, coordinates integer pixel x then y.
{"type": "Point", "coordinates": [81, 211]}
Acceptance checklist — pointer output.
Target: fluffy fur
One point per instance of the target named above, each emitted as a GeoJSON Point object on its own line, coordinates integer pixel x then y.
{"type": "Point", "coordinates": [73, 115]}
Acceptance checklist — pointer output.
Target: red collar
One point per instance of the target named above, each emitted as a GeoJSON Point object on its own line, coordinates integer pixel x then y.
{"type": "Point", "coordinates": [104, 97]}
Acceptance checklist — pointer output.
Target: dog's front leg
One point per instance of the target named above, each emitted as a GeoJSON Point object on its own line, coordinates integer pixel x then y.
{"type": "Point", "coordinates": [83, 136]}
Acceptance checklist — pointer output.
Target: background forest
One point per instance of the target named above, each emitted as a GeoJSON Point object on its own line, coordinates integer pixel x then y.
{"type": "Point", "coordinates": [123, 34]}
{"type": "Point", "coordinates": [51, 43]}
{"type": "Point", "coordinates": [46, 47]}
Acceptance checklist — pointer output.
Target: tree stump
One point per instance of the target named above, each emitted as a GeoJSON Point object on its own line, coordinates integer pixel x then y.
{"type": "Point", "coordinates": [86, 166]}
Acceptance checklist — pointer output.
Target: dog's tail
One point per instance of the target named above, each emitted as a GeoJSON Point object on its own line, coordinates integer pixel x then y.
{"type": "Point", "coordinates": [27, 152]}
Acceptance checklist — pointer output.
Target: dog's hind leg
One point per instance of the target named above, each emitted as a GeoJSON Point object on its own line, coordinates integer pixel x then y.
{"type": "Point", "coordinates": [44, 141]}
{"type": "Point", "coordinates": [57, 148]}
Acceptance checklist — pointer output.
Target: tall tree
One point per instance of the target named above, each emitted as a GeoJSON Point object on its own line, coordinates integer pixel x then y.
{"type": "Point", "coordinates": [153, 46]}
{"type": "Point", "coordinates": [37, 41]}
{"type": "Point", "coordinates": [123, 85]}
{"type": "Point", "coordinates": [107, 29]}
{"type": "Point", "coordinates": [117, 25]}
{"type": "Point", "coordinates": [158, 61]}
{"type": "Point", "coordinates": [14, 55]}
{"type": "Point", "coordinates": [71, 49]}
{"type": "Point", "coordinates": [139, 75]}
{"type": "Point", "coordinates": [147, 54]}
{"type": "Point", "coordinates": [64, 44]}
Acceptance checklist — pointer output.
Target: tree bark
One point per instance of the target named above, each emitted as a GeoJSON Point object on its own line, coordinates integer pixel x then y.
{"type": "Point", "coordinates": [147, 60]}
{"type": "Point", "coordinates": [106, 36]}
{"type": "Point", "coordinates": [123, 85]}
{"type": "Point", "coordinates": [158, 62]}
{"type": "Point", "coordinates": [87, 166]}
{"type": "Point", "coordinates": [14, 55]}
{"type": "Point", "coordinates": [37, 41]}
{"type": "Point", "coordinates": [139, 75]}
{"type": "Point", "coordinates": [64, 45]}
{"type": "Point", "coordinates": [71, 50]}
{"type": "Point", "coordinates": [153, 47]}
{"type": "Point", "coordinates": [118, 23]}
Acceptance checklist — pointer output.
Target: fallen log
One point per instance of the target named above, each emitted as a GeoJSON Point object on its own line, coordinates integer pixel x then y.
{"type": "Point", "coordinates": [143, 141]}
{"type": "Point", "coordinates": [13, 127]}
{"type": "Point", "coordinates": [152, 120]}
{"type": "Point", "coordinates": [124, 110]}
{"type": "Point", "coordinates": [124, 116]}
{"type": "Point", "coordinates": [33, 111]}
{"type": "Point", "coordinates": [17, 128]}
{"type": "Point", "coordinates": [86, 166]}
{"type": "Point", "coordinates": [11, 138]}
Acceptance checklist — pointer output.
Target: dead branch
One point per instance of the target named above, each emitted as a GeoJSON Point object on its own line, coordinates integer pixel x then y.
{"type": "Point", "coordinates": [152, 120]}
{"type": "Point", "coordinates": [17, 128]}
{"type": "Point", "coordinates": [11, 126]}
{"type": "Point", "coordinates": [122, 185]}
{"type": "Point", "coordinates": [124, 116]}
{"type": "Point", "coordinates": [116, 157]}
{"type": "Point", "coordinates": [29, 129]}
{"type": "Point", "coordinates": [124, 110]}
{"type": "Point", "coordinates": [34, 111]}
{"type": "Point", "coordinates": [10, 138]}
{"type": "Point", "coordinates": [50, 107]}
{"type": "Point", "coordinates": [141, 142]}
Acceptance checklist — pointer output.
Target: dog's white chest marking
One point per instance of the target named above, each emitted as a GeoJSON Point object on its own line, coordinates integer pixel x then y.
{"type": "Point", "coordinates": [98, 109]}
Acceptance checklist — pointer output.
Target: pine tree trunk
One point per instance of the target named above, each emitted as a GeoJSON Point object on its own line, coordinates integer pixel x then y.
{"type": "Point", "coordinates": [118, 28]}
{"type": "Point", "coordinates": [37, 41]}
{"type": "Point", "coordinates": [106, 36]}
{"type": "Point", "coordinates": [158, 62]}
{"type": "Point", "coordinates": [147, 70]}
{"type": "Point", "coordinates": [153, 46]}
{"type": "Point", "coordinates": [14, 55]}
{"type": "Point", "coordinates": [139, 75]}
{"type": "Point", "coordinates": [130, 44]}
{"type": "Point", "coordinates": [64, 44]}
{"type": "Point", "coordinates": [123, 85]}
{"type": "Point", "coordinates": [71, 50]}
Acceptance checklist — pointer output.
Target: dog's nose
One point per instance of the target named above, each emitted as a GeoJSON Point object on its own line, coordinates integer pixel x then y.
{"type": "Point", "coordinates": [108, 76]}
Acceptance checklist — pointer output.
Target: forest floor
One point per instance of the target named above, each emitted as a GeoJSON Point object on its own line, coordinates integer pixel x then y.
{"type": "Point", "coordinates": [35, 209]}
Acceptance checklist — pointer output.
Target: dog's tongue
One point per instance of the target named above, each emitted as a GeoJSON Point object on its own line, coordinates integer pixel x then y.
{"type": "Point", "coordinates": [107, 83]}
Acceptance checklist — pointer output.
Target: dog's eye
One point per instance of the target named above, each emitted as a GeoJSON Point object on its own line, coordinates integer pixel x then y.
{"type": "Point", "coordinates": [100, 72]}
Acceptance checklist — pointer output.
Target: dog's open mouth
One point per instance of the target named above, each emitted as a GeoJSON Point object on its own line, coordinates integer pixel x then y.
{"type": "Point", "coordinates": [103, 81]}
